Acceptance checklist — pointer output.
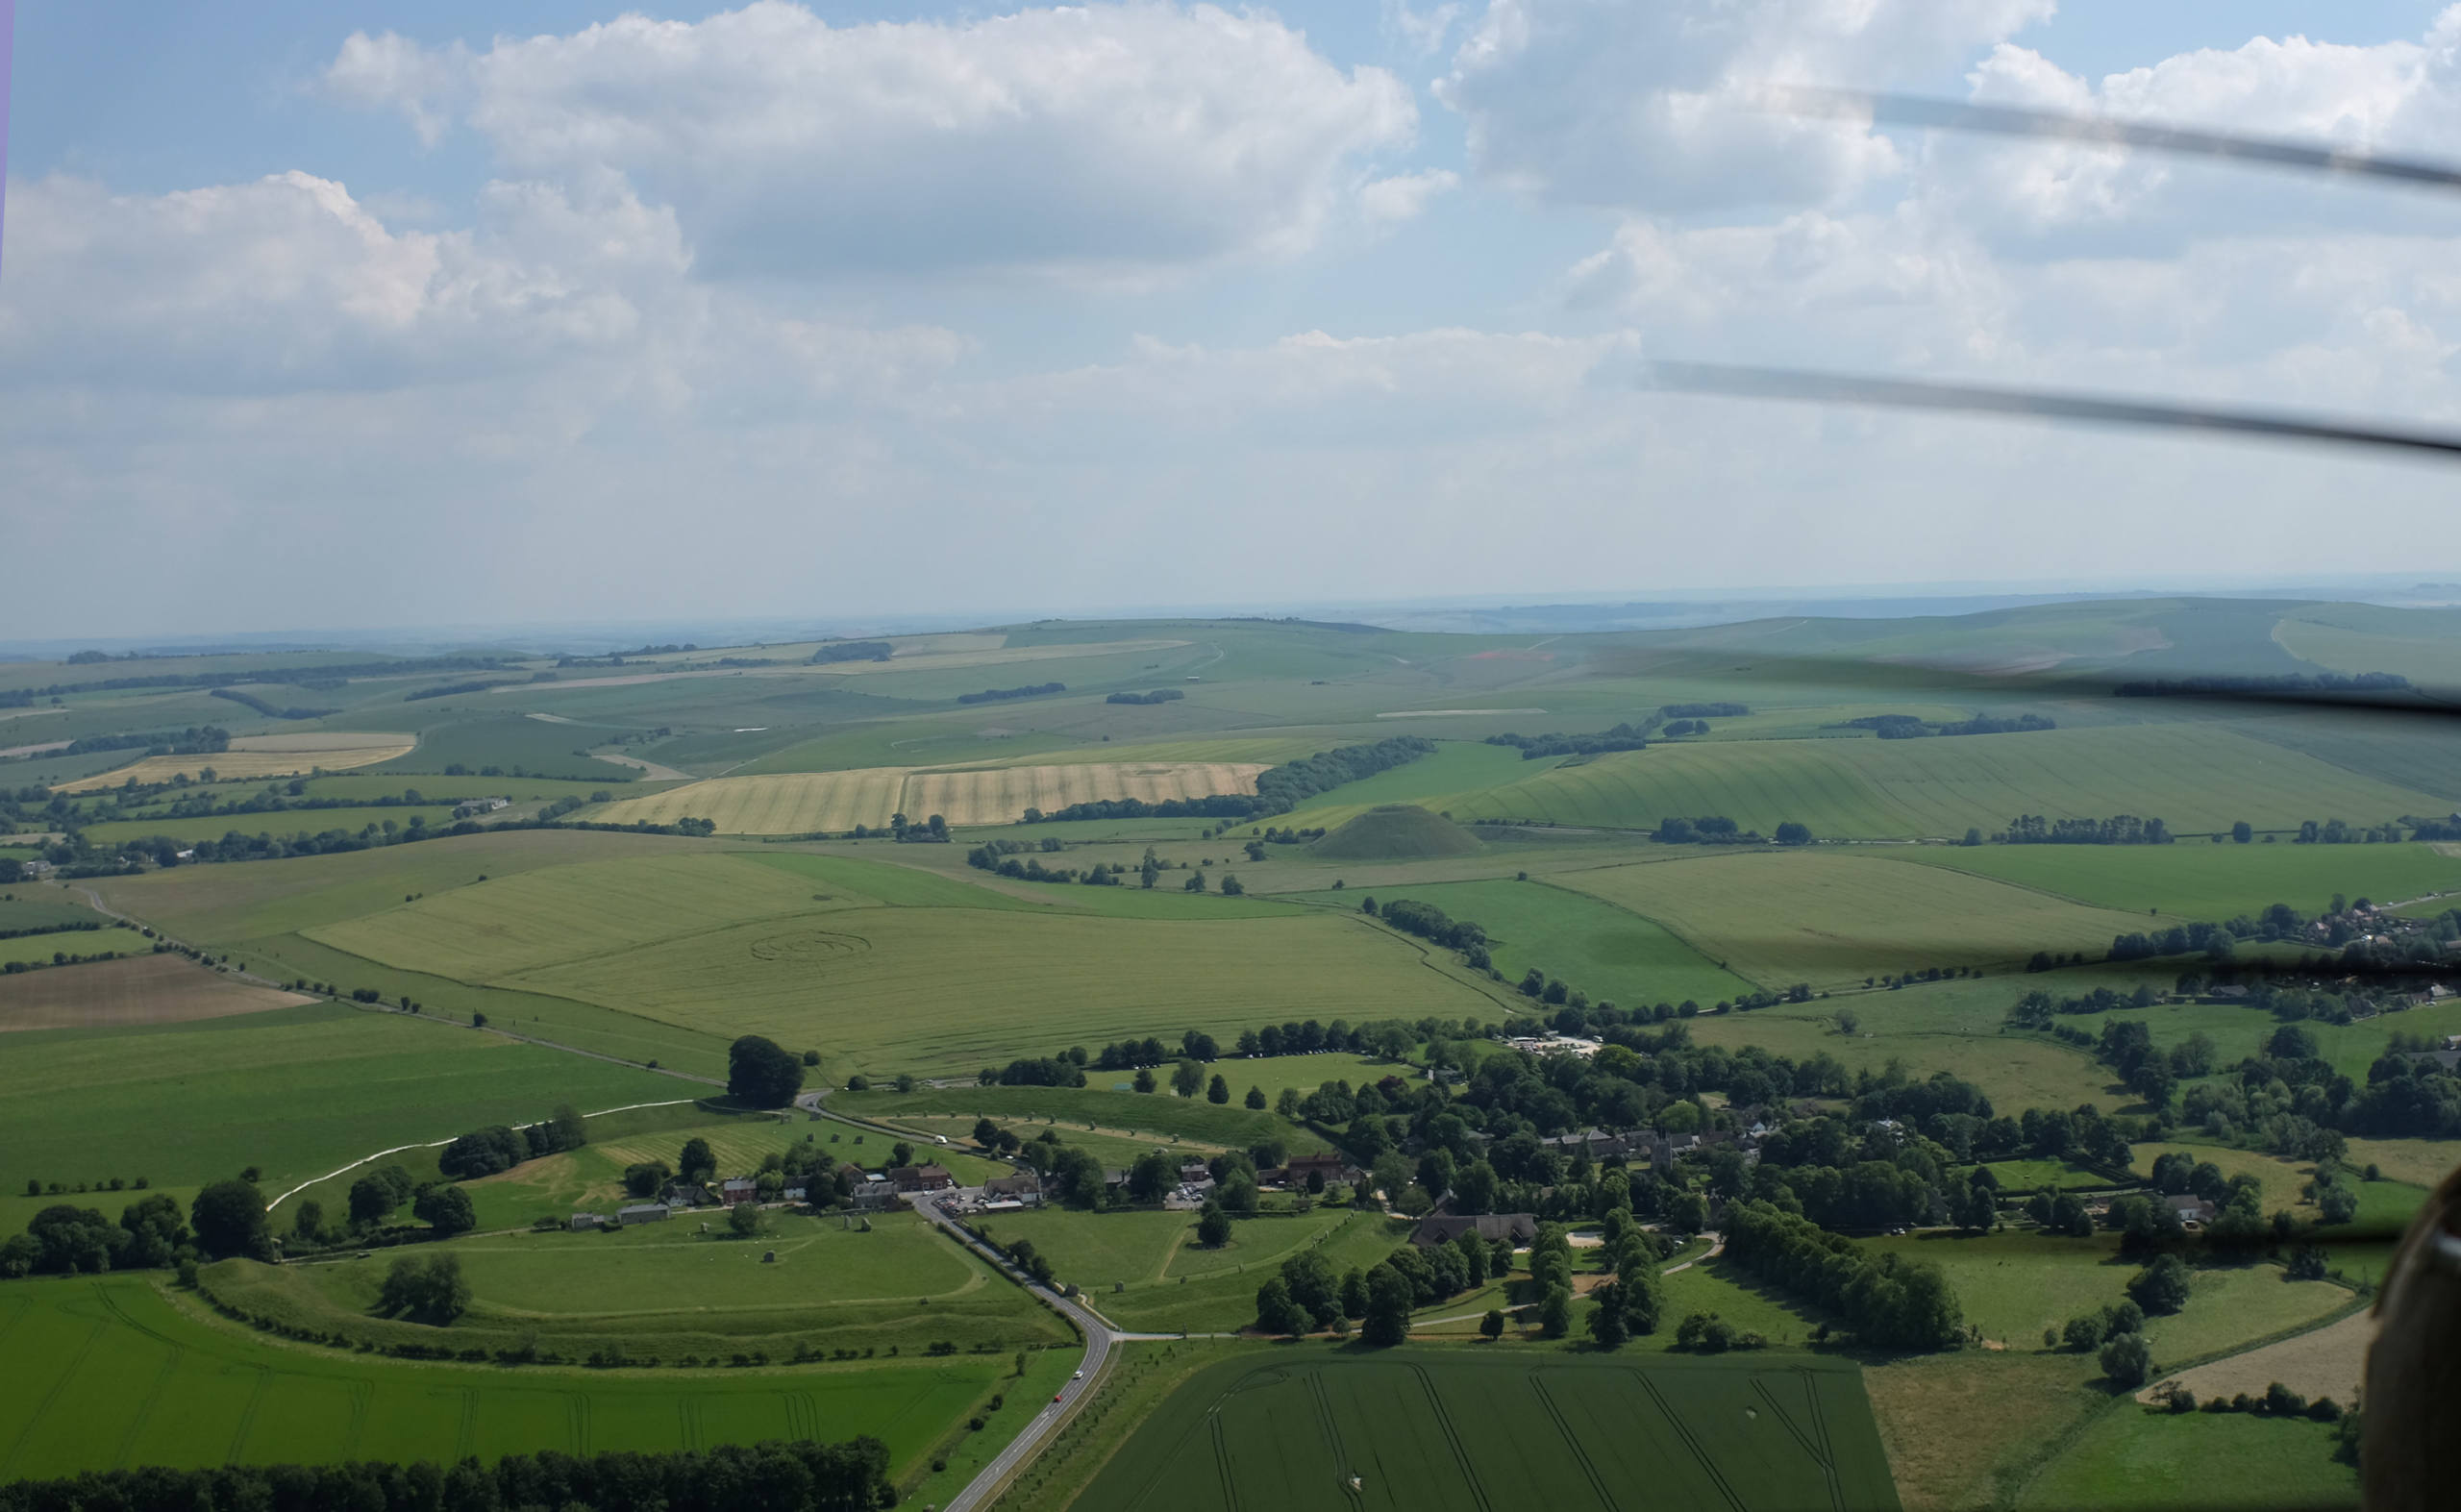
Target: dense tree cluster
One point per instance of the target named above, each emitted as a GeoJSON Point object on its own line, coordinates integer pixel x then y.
{"type": "Point", "coordinates": [1278, 789]}
{"type": "Point", "coordinates": [1887, 1298]}
{"type": "Point", "coordinates": [761, 1073]}
{"type": "Point", "coordinates": [1706, 829]}
{"type": "Point", "coordinates": [1554, 743]}
{"type": "Point", "coordinates": [194, 740]}
{"type": "Point", "coordinates": [315, 677]}
{"type": "Point", "coordinates": [996, 695]}
{"type": "Point", "coordinates": [424, 1288]}
{"type": "Point", "coordinates": [2119, 830]}
{"type": "Point", "coordinates": [1429, 922]}
{"type": "Point", "coordinates": [484, 1151]}
{"type": "Point", "coordinates": [852, 651]}
{"type": "Point", "coordinates": [1160, 695]}
{"type": "Point", "coordinates": [64, 1239]}
{"type": "Point", "coordinates": [269, 709]}
{"type": "Point", "coordinates": [1717, 710]}
{"type": "Point", "coordinates": [802, 1475]}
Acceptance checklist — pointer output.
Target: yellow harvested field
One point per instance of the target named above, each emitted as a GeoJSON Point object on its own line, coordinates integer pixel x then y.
{"type": "Point", "coordinates": [241, 764]}
{"type": "Point", "coordinates": [800, 803]}
{"type": "Point", "coordinates": [326, 740]}
{"type": "Point", "coordinates": [2330, 1361]}
{"type": "Point", "coordinates": [938, 660]}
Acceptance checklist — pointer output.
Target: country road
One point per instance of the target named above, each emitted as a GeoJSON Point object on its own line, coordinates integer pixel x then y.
{"type": "Point", "coordinates": [1030, 1440]}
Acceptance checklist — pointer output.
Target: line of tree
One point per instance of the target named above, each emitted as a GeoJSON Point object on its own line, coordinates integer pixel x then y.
{"type": "Point", "coordinates": [66, 927]}
{"type": "Point", "coordinates": [1887, 1298]}
{"type": "Point", "coordinates": [1704, 710]}
{"type": "Point", "coordinates": [1910, 726]}
{"type": "Point", "coordinates": [1160, 695]}
{"type": "Point", "coordinates": [1429, 922]}
{"type": "Point", "coordinates": [2117, 829]}
{"type": "Point", "coordinates": [1278, 789]}
{"type": "Point", "coordinates": [852, 651]}
{"type": "Point", "coordinates": [195, 740]}
{"type": "Point", "coordinates": [484, 1151]}
{"type": "Point", "coordinates": [2287, 683]}
{"type": "Point", "coordinates": [801, 1475]}
{"type": "Point", "coordinates": [1626, 736]}
{"type": "Point", "coordinates": [75, 859]}
{"type": "Point", "coordinates": [269, 711]}
{"type": "Point", "coordinates": [994, 695]}
{"type": "Point", "coordinates": [1718, 830]}
{"type": "Point", "coordinates": [324, 677]}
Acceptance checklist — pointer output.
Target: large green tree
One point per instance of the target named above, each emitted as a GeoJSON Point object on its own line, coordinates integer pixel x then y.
{"type": "Point", "coordinates": [1388, 1308]}
{"type": "Point", "coordinates": [763, 1073]}
{"type": "Point", "coordinates": [228, 1218]}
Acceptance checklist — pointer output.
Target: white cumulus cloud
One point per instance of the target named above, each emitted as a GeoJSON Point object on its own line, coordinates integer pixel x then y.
{"type": "Point", "coordinates": [1111, 141]}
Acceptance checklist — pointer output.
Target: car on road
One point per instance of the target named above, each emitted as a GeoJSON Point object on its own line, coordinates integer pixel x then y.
{"type": "Point", "coordinates": [1080, 1376]}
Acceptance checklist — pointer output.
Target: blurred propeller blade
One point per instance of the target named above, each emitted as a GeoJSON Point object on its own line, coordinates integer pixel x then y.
{"type": "Point", "coordinates": [2004, 120]}
{"type": "Point", "coordinates": [1778, 383]}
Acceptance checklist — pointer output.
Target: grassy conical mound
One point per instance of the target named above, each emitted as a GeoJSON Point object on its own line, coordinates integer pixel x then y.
{"type": "Point", "coordinates": [1394, 833]}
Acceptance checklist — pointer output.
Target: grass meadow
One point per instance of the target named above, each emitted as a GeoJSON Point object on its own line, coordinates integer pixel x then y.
{"type": "Point", "coordinates": [668, 1290]}
{"type": "Point", "coordinates": [1831, 919]}
{"type": "Point", "coordinates": [2017, 1282]}
{"type": "Point", "coordinates": [1418, 1427]}
{"type": "Point", "coordinates": [295, 1092]}
{"type": "Point", "coordinates": [2132, 1458]}
{"type": "Point", "coordinates": [113, 1372]}
{"type": "Point", "coordinates": [1609, 952]}
{"type": "Point", "coordinates": [2193, 879]}
{"type": "Point", "coordinates": [2195, 777]}
{"type": "Point", "coordinates": [946, 990]}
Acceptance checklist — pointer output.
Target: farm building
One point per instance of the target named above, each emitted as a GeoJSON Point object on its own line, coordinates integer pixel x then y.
{"type": "Point", "coordinates": [1025, 1189]}
{"type": "Point", "coordinates": [584, 1223]}
{"type": "Point", "coordinates": [2194, 1211]}
{"type": "Point", "coordinates": [736, 1190]}
{"type": "Point", "coordinates": [641, 1213]}
{"type": "Point", "coordinates": [872, 1196]}
{"type": "Point", "coordinates": [1335, 1171]}
{"type": "Point", "coordinates": [682, 1194]}
{"type": "Point", "coordinates": [1444, 1228]}
{"type": "Point", "coordinates": [921, 1179]}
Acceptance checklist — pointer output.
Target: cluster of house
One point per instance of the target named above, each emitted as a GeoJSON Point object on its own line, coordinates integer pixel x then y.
{"type": "Point", "coordinates": [1659, 1151]}
{"type": "Point", "coordinates": [473, 807]}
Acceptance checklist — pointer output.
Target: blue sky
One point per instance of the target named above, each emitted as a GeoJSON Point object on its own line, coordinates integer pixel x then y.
{"type": "Point", "coordinates": [521, 311]}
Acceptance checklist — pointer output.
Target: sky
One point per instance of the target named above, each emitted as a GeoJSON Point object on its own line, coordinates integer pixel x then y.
{"type": "Point", "coordinates": [360, 312]}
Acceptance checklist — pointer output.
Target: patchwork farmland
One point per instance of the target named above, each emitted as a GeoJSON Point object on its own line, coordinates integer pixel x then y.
{"type": "Point", "coordinates": [812, 802]}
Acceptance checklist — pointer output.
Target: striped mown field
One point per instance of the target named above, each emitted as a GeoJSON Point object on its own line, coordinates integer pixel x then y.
{"type": "Point", "coordinates": [2194, 776]}
{"type": "Point", "coordinates": [803, 802]}
{"type": "Point", "coordinates": [252, 756]}
{"type": "Point", "coordinates": [1832, 919]}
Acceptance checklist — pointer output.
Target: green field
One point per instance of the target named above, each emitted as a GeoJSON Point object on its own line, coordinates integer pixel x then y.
{"type": "Point", "coordinates": [1830, 918]}
{"type": "Point", "coordinates": [2131, 1457]}
{"type": "Point", "coordinates": [667, 1290]}
{"type": "Point", "coordinates": [2017, 1282]}
{"type": "Point", "coordinates": [28, 906]}
{"type": "Point", "coordinates": [1496, 1428]}
{"type": "Point", "coordinates": [34, 949]}
{"type": "Point", "coordinates": [535, 747]}
{"type": "Point", "coordinates": [294, 1091]}
{"type": "Point", "coordinates": [2194, 776]}
{"type": "Point", "coordinates": [111, 1373]}
{"type": "Point", "coordinates": [1613, 954]}
{"type": "Point", "coordinates": [952, 990]}
{"type": "Point", "coordinates": [2195, 880]}
{"type": "Point", "coordinates": [288, 822]}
